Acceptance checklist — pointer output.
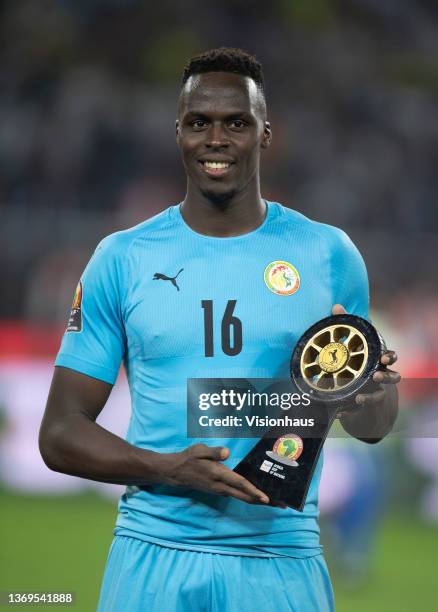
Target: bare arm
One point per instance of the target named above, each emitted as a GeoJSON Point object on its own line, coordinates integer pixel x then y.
{"type": "Point", "coordinates": [73, 443]}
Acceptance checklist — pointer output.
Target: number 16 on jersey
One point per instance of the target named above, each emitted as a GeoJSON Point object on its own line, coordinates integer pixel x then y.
{"type": "Point", "coordinates": [230, 326]}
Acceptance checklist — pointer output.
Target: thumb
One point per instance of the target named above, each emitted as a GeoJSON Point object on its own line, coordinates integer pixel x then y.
{"type": "Point", "coordinates": [224, 453]}
{"type": "Point", "coordinates": [338, 309]}
{"type": "Point", "coordinates": [218, 453]}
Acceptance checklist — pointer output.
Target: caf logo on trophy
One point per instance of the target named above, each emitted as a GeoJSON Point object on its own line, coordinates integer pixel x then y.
{"type": "Point", "coordinates": [287, 449]}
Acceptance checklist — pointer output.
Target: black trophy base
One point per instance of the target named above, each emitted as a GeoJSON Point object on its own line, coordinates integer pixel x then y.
{"type": "Point", "coordinates": [286, 477]}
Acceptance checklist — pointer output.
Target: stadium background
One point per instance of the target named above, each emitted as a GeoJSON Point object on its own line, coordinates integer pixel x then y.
{"type": "Point", "coordinates": [87, 103]}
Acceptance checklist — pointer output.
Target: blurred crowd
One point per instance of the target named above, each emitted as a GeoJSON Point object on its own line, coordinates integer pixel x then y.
{"type": "Point", "coordinates": [87, 108]}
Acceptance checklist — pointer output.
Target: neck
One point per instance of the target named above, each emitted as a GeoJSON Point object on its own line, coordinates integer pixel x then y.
{"type": "Point", "coordinates": [241, 214]}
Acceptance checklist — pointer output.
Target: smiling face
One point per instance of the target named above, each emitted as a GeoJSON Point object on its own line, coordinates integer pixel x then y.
{"type": "Point", "coordinates": [220, 130]}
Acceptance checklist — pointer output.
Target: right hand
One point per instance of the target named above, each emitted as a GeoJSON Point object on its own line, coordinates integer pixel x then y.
{"type": "Point", "coordinates": [199, 467]}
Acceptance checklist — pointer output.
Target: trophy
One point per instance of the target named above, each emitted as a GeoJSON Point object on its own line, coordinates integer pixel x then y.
{"type": "Point", "coordinates": [332, 362]}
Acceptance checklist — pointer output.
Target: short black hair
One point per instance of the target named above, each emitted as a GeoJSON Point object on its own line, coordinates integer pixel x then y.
{"type": "Point", "coordinates": [226, 59]}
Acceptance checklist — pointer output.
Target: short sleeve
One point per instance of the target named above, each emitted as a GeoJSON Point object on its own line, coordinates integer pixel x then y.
{"type": "Point", "coordinates": [350, 288]}
{"type": "Point", "coordinates": [94, 341]}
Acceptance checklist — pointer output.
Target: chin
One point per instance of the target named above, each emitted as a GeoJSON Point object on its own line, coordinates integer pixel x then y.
{"type": "Point", "coordinates": [219, 198]}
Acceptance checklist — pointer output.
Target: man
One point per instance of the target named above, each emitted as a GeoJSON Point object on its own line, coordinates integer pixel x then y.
{"type": "Point", "coordinates": [191, 534]}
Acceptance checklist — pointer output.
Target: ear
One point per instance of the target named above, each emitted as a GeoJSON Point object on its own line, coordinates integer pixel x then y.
{"type": "Point", "coordinates": [177, 130]}
{"type": "Point", "coordinates": [267, 135]}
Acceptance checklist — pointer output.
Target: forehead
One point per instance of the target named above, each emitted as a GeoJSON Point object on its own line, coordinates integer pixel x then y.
{"type": "Point", "coordinates": [220, 91]}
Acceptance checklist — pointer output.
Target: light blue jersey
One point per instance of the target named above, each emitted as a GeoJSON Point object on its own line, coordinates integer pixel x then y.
{"type": "Point", "coordinates": [143, 299]}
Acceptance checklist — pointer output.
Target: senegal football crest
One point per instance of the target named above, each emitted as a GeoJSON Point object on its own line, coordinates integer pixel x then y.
{"type": "Point", "coordinates": [75, 320]}
{"type": "Point", "coordinates": [282, 278]}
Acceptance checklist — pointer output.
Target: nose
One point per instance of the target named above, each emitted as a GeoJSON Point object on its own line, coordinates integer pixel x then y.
{"type": "Point", "coordinates": [216, 137]}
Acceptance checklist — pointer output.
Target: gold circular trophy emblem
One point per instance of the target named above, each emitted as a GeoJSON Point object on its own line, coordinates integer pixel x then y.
{"type": "Point", "coordinates": [333, 357]}
{"type": "Point", "coordinates": [336, 357]}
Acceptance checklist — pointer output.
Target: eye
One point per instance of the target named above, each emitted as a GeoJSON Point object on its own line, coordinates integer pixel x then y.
{"type": "Point", "coordinates": [198, 124]}
{"type": "Point", "coordinates": [237, 124]}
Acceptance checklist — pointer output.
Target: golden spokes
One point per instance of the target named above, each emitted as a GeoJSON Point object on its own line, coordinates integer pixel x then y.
{"type": "Point", "coordinates": [334, 358]}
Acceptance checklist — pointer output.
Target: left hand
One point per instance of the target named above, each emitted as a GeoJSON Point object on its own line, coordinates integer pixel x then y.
{"type": "Point", "coordinates": [382, 376]}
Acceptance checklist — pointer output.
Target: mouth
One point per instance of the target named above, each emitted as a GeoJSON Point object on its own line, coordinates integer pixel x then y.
{"type": "Point", "coordinates": [216, 168]}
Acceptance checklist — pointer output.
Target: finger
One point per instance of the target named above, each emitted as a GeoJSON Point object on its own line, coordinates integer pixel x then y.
{"type": "Point", "coordinates": [236, 481]}
{"type": "Point", "coordinates": [388, 358]}
{"type": "Point", "coordinates": [224, 453]}
{"type": "Point", "coordinates": [338, 309]}
{"type": "Point", "coordinates": [227, 490]}
{"type": "Point", "coordinates": [344, 413]}
{"type": "Point", "coordinates": [216, 453]}
{"type": "Point", "coordinates": [386, 377]}
{"type": "Point", "coordinates": [278, 505]}
{"type": "Point", "coordinates": [366, 399]}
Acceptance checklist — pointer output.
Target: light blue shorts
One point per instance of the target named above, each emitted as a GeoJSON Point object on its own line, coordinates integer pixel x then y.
{"type": "Point", "coordinates": [144, 577]}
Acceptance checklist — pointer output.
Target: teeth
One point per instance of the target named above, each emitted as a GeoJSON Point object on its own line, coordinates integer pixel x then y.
{"type": "Point", "coordinates": [216, 165]}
